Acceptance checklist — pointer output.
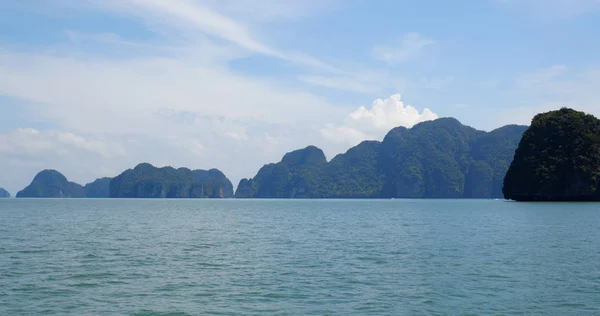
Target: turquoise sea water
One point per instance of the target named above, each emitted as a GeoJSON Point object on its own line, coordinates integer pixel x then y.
{"type": "Point", "coordinates": [298, 257]}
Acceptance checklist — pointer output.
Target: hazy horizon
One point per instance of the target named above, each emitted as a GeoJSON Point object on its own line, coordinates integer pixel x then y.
{"type": "Point", "coordinates": [91, 88]}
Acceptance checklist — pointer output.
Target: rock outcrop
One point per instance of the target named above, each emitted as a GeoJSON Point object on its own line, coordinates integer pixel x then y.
{"type": "Point", "coordinates": [558, 159]}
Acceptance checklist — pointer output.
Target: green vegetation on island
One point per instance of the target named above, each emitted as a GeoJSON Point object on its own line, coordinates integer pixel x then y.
{"type": "Point", "coordinates": [558, 159]}
{"type": "Point", "coordinates": [435, 159]}
{"type": "Point", "coordinates": [51, 184]}
{"type": "Point", "coordinates": [144, 181]}
{"type": "Point", "coordinates": [98, 189]}
{"type": "Point", "coordinates": [147, 181]}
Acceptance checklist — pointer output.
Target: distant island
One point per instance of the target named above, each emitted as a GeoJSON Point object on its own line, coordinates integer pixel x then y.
{"type": "Point", "coordinates": [147, 181]}
{"type": "Point", "coordinates": [558, 159]}
{"type": "Point", "coordinates": [144, 181]}
{"type": "Point", "coordinates": [51, 184]}
{"type": "Point", "coordinates": [434, 159]}
{"type": "Point", "coordinates": [4, 194]}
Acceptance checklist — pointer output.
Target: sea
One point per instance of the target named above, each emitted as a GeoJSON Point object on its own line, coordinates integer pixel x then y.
{"type": "Point", "coordinates": [298, 257]}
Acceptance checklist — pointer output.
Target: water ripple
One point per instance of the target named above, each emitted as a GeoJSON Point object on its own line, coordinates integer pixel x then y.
{"type": "Point", "coordinates": [401, 257]}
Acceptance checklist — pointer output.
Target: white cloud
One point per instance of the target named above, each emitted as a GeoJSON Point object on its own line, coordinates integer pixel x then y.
{"type": "Point", "coordinates": [101, 95]}
{"type": "Point", "coordinates": [33, 142]}
{"type": "Point", "coordinates": [187, 18]}
{"type": "Point", "coordinates": [26, 151]}
{"type": "Point", "coordinates": [345, 135]}
{"type": "Point", "coordinates": [84, 92]}
{"type": "Point", "coordinates": [184, 13]}
{"type": "Point", "coordinates": [410, 47]}
{"type": "Point", "coordinates": [364, 124]}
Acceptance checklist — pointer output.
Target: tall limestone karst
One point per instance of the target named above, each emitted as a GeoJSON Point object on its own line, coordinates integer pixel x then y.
{"type": "Point", "coordinates": [434, 159]}
{"type": "Point", "coordinates": [558, 159]}
{"type": "Point", "coordinates": [147, 181]}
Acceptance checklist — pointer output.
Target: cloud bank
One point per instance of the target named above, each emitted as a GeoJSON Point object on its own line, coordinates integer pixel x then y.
{"type": "Point", "coordinates": [374, 123]}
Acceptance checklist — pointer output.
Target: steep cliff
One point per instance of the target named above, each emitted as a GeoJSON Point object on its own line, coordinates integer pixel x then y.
{"type": "Point", "coordinates": [558, 159]}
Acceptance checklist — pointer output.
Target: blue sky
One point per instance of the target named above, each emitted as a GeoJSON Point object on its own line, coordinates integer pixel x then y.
{"type": "Point", "coordinates": [92, 87]}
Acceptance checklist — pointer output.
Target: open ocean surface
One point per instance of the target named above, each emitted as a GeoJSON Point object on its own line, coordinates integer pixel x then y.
{"type": "Point", "coordinates": [298, 257]}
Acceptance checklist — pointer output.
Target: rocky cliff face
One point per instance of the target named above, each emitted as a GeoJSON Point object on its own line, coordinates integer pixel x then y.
{"type": "Point", "coordinates": [558, 159]}
{"type": "Point", "coordinates": [147, 181]}
{"type": "Point", "coordinates": [436, 159]}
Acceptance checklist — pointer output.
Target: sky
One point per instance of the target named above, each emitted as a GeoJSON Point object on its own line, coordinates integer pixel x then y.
{"type": "Point", "coordinates": [94, 87]}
